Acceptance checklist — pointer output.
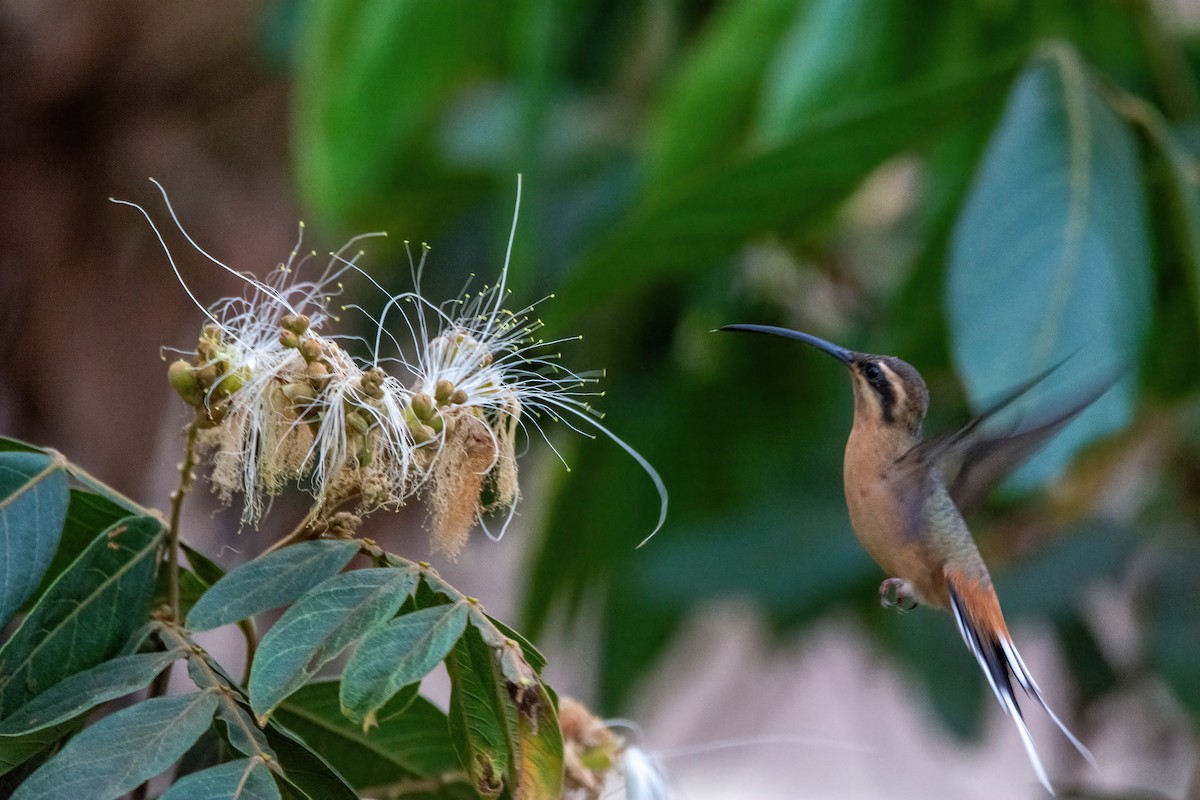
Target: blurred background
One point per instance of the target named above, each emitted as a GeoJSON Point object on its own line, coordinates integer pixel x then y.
{"type": "Point", "coordinates": [982, 188]}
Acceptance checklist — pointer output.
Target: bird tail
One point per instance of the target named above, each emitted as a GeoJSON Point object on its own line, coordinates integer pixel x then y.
{"type": "Point", "coordinates": [977, 612]}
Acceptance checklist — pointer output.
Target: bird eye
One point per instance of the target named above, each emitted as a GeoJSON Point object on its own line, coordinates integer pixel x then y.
{"type": "Point", "coordinates": [872, 372]}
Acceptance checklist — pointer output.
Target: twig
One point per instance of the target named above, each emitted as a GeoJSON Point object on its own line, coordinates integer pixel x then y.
{"type": "Point", "coordinates": [185, 485]}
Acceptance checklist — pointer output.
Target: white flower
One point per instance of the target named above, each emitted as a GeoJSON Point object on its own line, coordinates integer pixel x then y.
{"type": "Point", "coordinates": [477, 372]}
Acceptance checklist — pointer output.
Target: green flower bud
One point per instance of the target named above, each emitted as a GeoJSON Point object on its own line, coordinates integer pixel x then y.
{"type": "Point", "coordinates": [421, 405]}
{"type": "Point", "coordinates": [289, 339]}
{"type": "Point", "coordinates": [356, 421]}
{"type": "Point", "coordinates": [234, 380]}
{"type": "Point", "coordinates": [437, 422]}
{"type": "Point", "coordinates": [443, 390]}
{"type": "Point", "coordinates": [421, 433]}
{"type": "Point", "coordinates": [182, 378]}
{"type": "Point", "coordinates": [459, 397]}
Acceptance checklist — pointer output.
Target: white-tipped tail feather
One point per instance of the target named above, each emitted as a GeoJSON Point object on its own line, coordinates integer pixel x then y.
{"type": "Point", "coordinates": [999, 659]}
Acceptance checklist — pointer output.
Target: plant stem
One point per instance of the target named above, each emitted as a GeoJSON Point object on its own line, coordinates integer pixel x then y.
{"type": "Point", "coordinates": [185, 485]}
{"type": "Point", "coordinates": [298, 533]}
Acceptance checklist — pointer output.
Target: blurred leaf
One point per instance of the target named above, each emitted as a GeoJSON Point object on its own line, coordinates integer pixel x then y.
{"type": "Point", "coordinates": [705, 218]}
{"type": "Point", "coordinates": [396, 655]}
{"type": "Point", "coordinates": [246, 779]}
{"type": "Point", "coordinates": [270, 581]}
{"type": "Point", "coordinates": [203, 566]}
{"type": "Point", "coordinates": [1051, 249]}
{"type": "Point", "coordinates": [84, 690]}
{"type": "Point", "coordinates": [119, 752]}
{"type": "Point", "coordinates": [86, 615]}
{"type": "Point", "coordinates": [411, 739]}
{"type": "Point", "coordinates": [1094, 675]}
{"type": "Point", "coordinates": [832, 50]}
{"type": "Point", "coordinates": [33, 507]}
{"type": "Point", "coordinates": [1173, 635]}
{"type": "Point", "coordinates": [319, 626]}
{"type": "Point", "coordinates": [372, 76]}
{"type": "Point", "coordinates": [703, 112]}
{"type": "Point", "coordinates": [307, 776]}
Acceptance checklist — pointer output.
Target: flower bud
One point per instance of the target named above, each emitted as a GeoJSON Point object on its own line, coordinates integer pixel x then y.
{"type": "Point", "coordinates": [182, 378]}
{"type": "Point", "coordinates": [300, 393]}
{"type": "Point", "coordinates": [207, 375]}
{"type": "Point", "coordinates": [421, 405]}
{"type": "Point", "coordinates": [232, 381]}
{"type": "Point", "coordinates": [356, 421]}
{"type": "Point", "coordinates": [443, 390]}
{"type": "Point", "coordinates": [296, 323]}
{"type": "Point", "coordinates": [422, 433]}
{"type": "Point", "coordinates": [459, 397]}
{"type": "Point", "coordinates": [289, 338]}
{"type": "Point", "coordinates": [310, 349]}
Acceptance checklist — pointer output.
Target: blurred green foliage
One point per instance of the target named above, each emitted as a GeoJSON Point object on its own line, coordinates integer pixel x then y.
{"type": "Point", "coordinates": [980, 187]}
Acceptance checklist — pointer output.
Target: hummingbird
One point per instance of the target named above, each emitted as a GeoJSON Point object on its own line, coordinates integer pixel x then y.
{"type": "Point", "coordinates": [907, 497]}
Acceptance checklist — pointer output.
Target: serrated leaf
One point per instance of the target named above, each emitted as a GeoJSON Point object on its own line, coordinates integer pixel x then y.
{"type": "Point", "coordinates": [271, 581]}
{"type": "Point", "coordinates": [398, 654]}
{"type": "Point", "coordinates": [705, 217]}
{"type": "Point", "coordinates": [84, 690]}
{"type": "Point", "coordinates": [86, 615]}
{"type": "Point", "coordinates": [246, 779]}
{"type": "Point", "coordinates": [319, 626]}
{"type": "Point", "coordinates": [122, 750]}
{"type": "Point", "coordinates": [33, 507]}
{"type": "Point", "coordinates": [1050, 256]}
{"type": "Point", "coordinates": [412, 738]}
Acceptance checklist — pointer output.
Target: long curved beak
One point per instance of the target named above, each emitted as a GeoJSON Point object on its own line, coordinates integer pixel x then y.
{"type": "Point", "coordinates": [840, 353]}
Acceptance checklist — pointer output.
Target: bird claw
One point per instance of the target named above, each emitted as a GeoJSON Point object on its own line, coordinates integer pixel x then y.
{"type": "Point", "coordinates": [899, 594]}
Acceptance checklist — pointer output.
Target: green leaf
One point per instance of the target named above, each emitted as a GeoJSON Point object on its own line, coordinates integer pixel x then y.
{"type": "Point", "coordinates": [33, 507]}
{"type": "Point", "coordinates": [319, 626]}
{"type": "Point", "coordinates": [16, 750]}
{"type": "Point", "coordinates": [540, 751]}
{"type": "Point", "coordinates": [706, 217]}
{"type": "Point", "coordinates": [8, 445]}
{"type": "Point", "coordinates": [479, 721]}
{"type": "Point", "coordinates": [832, 50]}
{"type": "Point", "coordinates": [271, 581]}
{"type": "Point", "coordinates": [306, 775]}
{"type": "Point", "coordinates": [86, 615]}
{"type": "Point", "coordinates": [704, 110]}
{"type": "Point", "coordinates": [247, 779]}
{"type": "Point", "coordinates": [1173, 629]}
{"type": "Point", "coordinates": [412, 738]}
{"type": "Point", "coordinates": [398, 654]}
{"type": "Point", "coordinates": [88, 514]}
{"type": "Point", "coordinates": [402, 58]}
{"type": "Point", "coordinates": [84, 690]}
{"type": "Point", "coordinates": [1050, 255]}
{"type": "Point", "coordinates": [122, 750]}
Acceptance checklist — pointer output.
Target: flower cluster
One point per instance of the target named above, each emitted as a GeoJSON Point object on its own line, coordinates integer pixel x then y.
{"type": "Point", "coordinates": [279, 399]}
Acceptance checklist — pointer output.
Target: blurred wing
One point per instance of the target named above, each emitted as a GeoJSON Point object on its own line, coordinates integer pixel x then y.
{"type": "Point", "coordinates": [972, 462]}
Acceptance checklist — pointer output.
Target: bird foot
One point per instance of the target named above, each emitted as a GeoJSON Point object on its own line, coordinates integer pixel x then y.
{"type": "Point", "coordinates": [899, 594]}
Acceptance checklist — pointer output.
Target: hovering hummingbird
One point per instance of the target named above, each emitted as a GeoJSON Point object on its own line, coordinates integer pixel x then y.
{"type": "Point", "coordinates": [907, 497]}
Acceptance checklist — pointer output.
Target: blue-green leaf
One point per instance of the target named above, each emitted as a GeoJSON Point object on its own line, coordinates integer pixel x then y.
{"type": "Point", "coordinates": [85, 690]}
{"type": "Point", "coordinates": [86, 615]}
{"type": "Point", "coordinates": [271, 581]}
{"type": "Point", "coordinates": [245, 779]}
{"type": "Point", "coordinates": [33, 507]}
{"type": "Point", "coordinates": [1050, 257]}
{"type": "Point", "coordinates": [319, 626]}
{"type": "Point", "coordinates": [398, 654]}
{"type": "Point", "coordinates": [122, 750]}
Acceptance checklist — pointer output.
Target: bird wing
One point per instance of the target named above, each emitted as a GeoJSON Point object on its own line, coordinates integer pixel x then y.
{"type": "Point", "coordinates": [970, 462]}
